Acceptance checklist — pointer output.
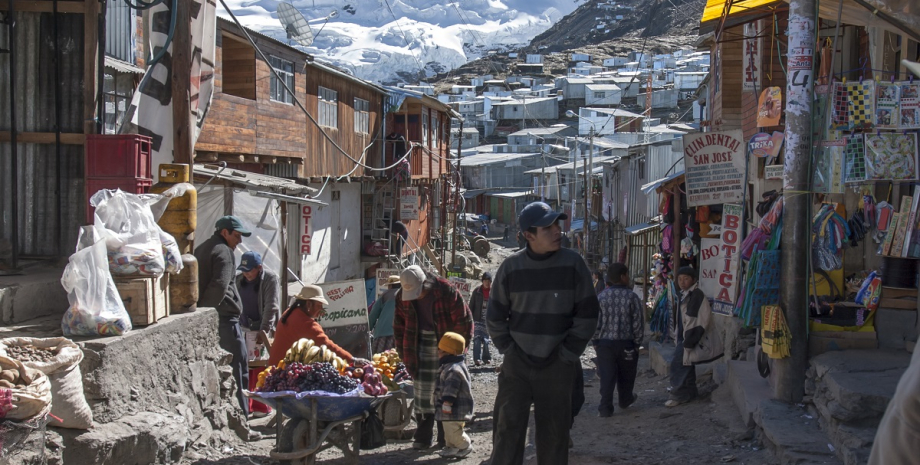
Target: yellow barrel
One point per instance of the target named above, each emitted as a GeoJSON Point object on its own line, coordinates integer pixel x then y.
{"type": "Point", "coordinates": [183, 288]}
{"type": "Point", "coordinates": [181, 214]}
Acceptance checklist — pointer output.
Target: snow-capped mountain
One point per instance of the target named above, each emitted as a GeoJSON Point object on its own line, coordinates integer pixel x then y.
{"type": "Point", "coordinates": [392, 41]}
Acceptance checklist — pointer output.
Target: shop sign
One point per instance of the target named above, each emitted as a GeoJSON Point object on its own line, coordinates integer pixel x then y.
{"type": "Point", "coordinates": [715, 163]}
{"type": "Point", "coordinates": [773, 172]}
{"type": "Point", "coordinates": [709, 266]}
{"type": "Point", "coordinates": [306, 229]}
{"type": "Point", "coordinates": [408, 203]}
{"type": "Point", "coordinates": [382, 275]}
{"type": "Point", "coordinates": [345, 321]}
{"type": "Point", "coordinates": [763, 145]}
{"type": "Point", "coordinates": [729, 251]}
{"type": "Point", "coordinates": [753, 56]}
{"type": "Point", "coordinates": [770, 107]}
{"type": "Point", "coordinates": [463, 286]}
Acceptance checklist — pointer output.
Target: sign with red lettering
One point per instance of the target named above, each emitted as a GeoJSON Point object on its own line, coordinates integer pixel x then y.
{"type": "Point", "coordinates": [753, 55]}
{"type": "Point", "coordinates": [408, 203]}
{"type": "Point", "coordinates": [306, 229]}
{"type": "Point", "coordinates": [710, 253]}
{"type": "Point", "coordinates": [729, 251]}
{"type": "Point", "coordinates": [345, 320]}
{"type": "Point", "coordinates": [715, 164]}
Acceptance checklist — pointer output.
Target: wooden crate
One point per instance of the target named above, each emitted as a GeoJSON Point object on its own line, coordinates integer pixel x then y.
{"type": "Point", "coordinates": [146, 298]}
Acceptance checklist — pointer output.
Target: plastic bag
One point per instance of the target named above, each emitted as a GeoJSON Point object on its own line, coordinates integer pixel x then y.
{"type": "Point", "coordinates": [96, 308]}
{"type": "Point", "coordinates": [132, 234]}
{"type": "Point", "coordinates": [372, 435]}
{"type": "Point", "coordinates": [171, 254]}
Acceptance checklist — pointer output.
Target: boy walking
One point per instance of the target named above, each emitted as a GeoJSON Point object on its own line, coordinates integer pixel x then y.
{"type": "Point", "coordinates": [453, 396]}
{"type": "Point", "coordinates": [620, 329]}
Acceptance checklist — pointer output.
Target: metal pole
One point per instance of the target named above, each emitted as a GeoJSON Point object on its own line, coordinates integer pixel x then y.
{"type": "Point", "coordinates": [14, 162]}
{"type": "Point", "coordinates": [59, 248]}
{"type": "Point", "coordinates": [589, 188]}
{"type": "Point", "coordinates": [284, 255]}
{"type": "Point", "coordinates": [790, 372]}
{"type": "Point", "coordinates": [584, 206]}
{"type": "Point", "coordinates": [457, 213]}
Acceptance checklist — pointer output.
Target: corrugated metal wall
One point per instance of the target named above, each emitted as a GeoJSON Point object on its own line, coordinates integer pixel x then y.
{"type": "Point", "coordinates": [120, 30]}
{"type": "Point", "coordinates": [41, 232]}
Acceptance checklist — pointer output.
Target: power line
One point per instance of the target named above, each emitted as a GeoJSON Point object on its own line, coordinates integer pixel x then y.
{"type": "Point", "coordinates": [409, 46]}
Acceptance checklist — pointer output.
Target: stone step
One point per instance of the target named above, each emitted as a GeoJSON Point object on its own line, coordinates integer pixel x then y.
{"type": "Point", "coordinates": [793, 435]}
{"type": "Point", "coordinates": [854, 387]}
{"type": "Point", "coordinates": [748, 389]}
{"type": "Point", "coordinates": [36, 293]}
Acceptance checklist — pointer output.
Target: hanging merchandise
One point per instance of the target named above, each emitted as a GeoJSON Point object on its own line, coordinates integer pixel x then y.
{"type": "Point", "coordinates": [830, 232]}
{"type": "Point", "coordinates": [839, 112]}
{"type": "Point", "coordinates": [775, 337]}
{"type": "Point", "coordinates": [884, 214]}
{"type": "Point", "coordinates": [768, 231]}
{"type": "Point", "coordinates": [858, 227]}
{"type": "Point", "coordinates": [910, 105]}
{"type": "Point", "coordinates": [888, 105]}
{"type": "Point", "coordinates": [761, 287]}
{"type": "Point", "coordinates": [861, 104]}
{"type": "Point", "coordinates": [667, 239]}
{"type": "Point", "coordinates": [688, 249]}
{"type": "Point", "coordinates": [702, 214]}
{"type": "Point", "coordinates": [870, 291]}
{"type": "Point", "coordinates": [855, 159]}
{"type": "Point", "coordinates": [891, 157]}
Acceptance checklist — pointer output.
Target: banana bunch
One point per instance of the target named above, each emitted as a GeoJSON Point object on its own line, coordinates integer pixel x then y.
{"type": "Point", "coordinates": [305, 351]}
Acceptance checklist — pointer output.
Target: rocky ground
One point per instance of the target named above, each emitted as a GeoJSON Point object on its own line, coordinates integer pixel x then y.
{"type": "Point", "coordinates": [706, 431]}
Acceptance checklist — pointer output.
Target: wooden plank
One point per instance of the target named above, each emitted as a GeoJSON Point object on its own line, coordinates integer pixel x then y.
{"type": "Point", "coordinates": [68, 138]}
{"type": "Point", "coordinates": [898, 304]}
{"type": "Point", "coordinates": [31, 6]}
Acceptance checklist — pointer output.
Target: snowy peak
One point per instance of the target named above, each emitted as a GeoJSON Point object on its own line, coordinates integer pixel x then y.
{"type": "Point", "coordinates": [392, 41]}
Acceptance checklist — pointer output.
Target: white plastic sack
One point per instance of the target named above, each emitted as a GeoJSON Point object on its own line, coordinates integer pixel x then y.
{"type": "Point", "coordinates": [68, 403]}
{"type": "Point", "coordinates": [96, 308]}
{"type": "Point", "coordinates": [171, 254]}
{"type": "Point", "coordinates": [132, 234]}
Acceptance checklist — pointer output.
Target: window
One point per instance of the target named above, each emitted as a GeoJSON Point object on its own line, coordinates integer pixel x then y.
{"type": "Point", "coordinates": [436, 133]}
{"type": "Point", "coordinates": [117, 89]}
{"type": "Point", "coordinates": [328, 107]}
{"type": "Point", "coordinates": [362, 117]}
{"type": "Point", "coordinates": [285, 70]}
{"type": "Point", "coordinates": [425, 131]}
{"type": "Point", "coordinates": [600, 95]}
{"type": "Point", "coordinates": [641, 168]}
{"type": "Point", "coordinates": [238, 67]}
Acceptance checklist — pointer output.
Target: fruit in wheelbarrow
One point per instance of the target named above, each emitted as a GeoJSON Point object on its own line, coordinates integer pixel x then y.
{"type": "Point", "coordinates": [299, 377]}
{"type": "Point", "coordinates": [372, 382]}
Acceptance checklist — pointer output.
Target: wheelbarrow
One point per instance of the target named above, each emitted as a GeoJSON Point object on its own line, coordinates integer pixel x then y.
{"type": "Point", "coordinates": [396, 411]}
{"type": "Point", "coordinates": [317, 422]}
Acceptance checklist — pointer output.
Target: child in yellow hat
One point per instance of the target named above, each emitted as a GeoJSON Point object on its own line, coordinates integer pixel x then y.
{"type": "Point", "coordinates": [453, 396]}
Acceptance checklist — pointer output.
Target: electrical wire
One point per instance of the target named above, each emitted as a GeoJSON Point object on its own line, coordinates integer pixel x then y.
{"type": "Point", "coordinates": [406, 39]}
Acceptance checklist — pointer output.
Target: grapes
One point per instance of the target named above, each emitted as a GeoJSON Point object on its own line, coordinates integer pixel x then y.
{"type": "Point", "coordinates": [298, 377]}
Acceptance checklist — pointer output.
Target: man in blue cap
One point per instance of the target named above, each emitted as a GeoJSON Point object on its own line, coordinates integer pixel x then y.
{"type": "Point", "coordinates": [541, 315]}
{"type": "Point", "coordinates": [216, 288]}
{"type": "Point", "coordinates": [260, 293]}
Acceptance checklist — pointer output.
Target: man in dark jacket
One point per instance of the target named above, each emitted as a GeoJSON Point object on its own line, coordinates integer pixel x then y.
{"type": "Point", "coordinates": [479, 299]}
{"type": "Point", "coordinates": [216, 288]}
{"type": "Point", "coordinates": [620, 329]}
{"type": "Point", "coordinates": [260, 294]}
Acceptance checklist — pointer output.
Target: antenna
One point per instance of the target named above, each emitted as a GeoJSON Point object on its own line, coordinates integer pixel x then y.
{"type": "Point", "coordinates": [296, 26]}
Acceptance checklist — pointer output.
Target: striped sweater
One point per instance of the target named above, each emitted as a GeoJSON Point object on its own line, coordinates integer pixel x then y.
{"type": "Point", "coordinates": [543, 304]}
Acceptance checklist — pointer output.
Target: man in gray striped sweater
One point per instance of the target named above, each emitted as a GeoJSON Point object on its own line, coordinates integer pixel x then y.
{"type": "Point", "coordinates": [542, 313]}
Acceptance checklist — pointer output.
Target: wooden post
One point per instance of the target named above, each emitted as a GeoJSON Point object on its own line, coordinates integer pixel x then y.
{"type": "Point", "coordinates": [183, 148]}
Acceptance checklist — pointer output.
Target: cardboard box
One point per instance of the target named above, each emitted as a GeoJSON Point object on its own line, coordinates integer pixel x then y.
{"type": "Point", "coordinates": [146, 298]}
{"type": "Point", "coordinates": [820, 342]}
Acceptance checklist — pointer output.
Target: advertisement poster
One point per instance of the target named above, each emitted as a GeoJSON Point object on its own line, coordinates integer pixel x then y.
{"type": "Point", "coordinates": [770, 107]}
{"type": "Point", "coordinates": [709, 266]}
{"type": "Point", "coordinates": [345, 321]}
{"type": "Point", "coordinates": [715, 164]}
{"type": "Point", "coordinates": [382, 275]}
{"type": "Point", "coordinates": [763, 145]}
{"type": "Point", "coordinates": [464, 286]}
{"type": "Point", "coordinates": [887, 105]}
{"type": "Point", "coordinates": [727, 270]}
{"type": "Point", "coordinates": [910, 106]}
{"type": "Point", "coordinates": [408, 203]}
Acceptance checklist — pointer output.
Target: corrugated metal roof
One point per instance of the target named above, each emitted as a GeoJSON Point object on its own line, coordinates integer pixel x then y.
{"type": "Point", "coordinates": [523, 102]}
{"type": "Point", "coordinates": [122, 66]}
{"type": "Point", "coordinates": [254, 180]}
{"type": "Point", "coordinates": [594, 87]}
{"type": "Point", "coordinates": [490, 158]}
{"type": "Point", "coordinates": [511, 195]}
{"type": "Point", "coordinates": [648, 188]}
{"type": "Point", "coordinates": [614, 112]}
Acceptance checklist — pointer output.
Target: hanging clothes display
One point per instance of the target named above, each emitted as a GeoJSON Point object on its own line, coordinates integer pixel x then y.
{"type": "Point", "coordinates": [775, 337]}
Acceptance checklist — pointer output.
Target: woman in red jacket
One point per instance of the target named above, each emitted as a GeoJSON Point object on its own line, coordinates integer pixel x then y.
{"type": "Point", "coordinates": [299, 321]}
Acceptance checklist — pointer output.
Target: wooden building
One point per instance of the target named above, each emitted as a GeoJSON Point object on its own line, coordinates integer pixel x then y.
{"type": "Point", "coordinates": [257, 125]}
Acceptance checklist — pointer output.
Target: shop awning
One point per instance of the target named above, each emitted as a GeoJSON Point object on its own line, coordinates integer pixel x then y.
{"type": "Point", "coordinates": [648, 188]}
{"type": "Point", "coordinates": [255, 181]}
{"type": "Point", "coordinates": [122, 66]}
{"type": "Point", "coordinates": [741, 12]}
{"type": "Point", "coordinates": [579, 223]}
{"type": "Point", "coordinates": [641, 228]}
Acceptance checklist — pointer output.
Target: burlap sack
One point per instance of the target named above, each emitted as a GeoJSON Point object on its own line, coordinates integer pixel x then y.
{"type": "Point", "coordinates": [69, 403]}
{"type": "Point", "coordinates": [30, 400]}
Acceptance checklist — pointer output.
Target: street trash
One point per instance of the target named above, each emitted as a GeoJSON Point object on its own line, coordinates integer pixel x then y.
{"type": "Point", "coordinates": [96, 308]}
{"type": "Point", "coordinates": [68, 407]}
{"type": "Point", "coordinates": [30, 394]}
{"type": "Point", "coordinates": [132, 236]}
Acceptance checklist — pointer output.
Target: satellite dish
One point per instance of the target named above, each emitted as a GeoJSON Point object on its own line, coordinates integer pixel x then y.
{"type": "Point", "coordinates": [296, 26]}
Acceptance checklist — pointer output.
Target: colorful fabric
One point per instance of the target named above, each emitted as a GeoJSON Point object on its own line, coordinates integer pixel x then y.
{"type": "Point", "coordinates": [427, 372]}
{"type": "Point", "coordinates": [449, 313]}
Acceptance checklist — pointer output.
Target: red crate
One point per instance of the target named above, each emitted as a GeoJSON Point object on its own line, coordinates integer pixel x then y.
{"type": "Point", "coordinates": [134, 186]}
{"type": "Point", "coordinates": [118, 156]}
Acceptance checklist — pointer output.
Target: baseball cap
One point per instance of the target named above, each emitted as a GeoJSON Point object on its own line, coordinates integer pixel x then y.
{"type": "Point", "coordinates": [312, 292]}
{"type": "Point", "coordinates": [249, 261]}
{"type": "Point", "coordinates": [232, 223]}
{"type": "Point", "coordinates": [411, 280]}
{"type": "Point", "coordinates": [539, 214]}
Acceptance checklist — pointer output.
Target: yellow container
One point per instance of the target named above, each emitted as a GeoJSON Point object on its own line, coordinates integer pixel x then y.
{"type": "Point", "coordinates": [183, 288]}
{"type": "Point", "coordinates": [181, 214]}
{"type": "Point", "coordinates": [174, 173]}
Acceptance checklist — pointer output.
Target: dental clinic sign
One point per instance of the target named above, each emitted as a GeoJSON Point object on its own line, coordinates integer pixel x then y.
{"type": "Point", "coordinates": [726, 286]}
{"type": "Point", "coordinates": [715, 166]}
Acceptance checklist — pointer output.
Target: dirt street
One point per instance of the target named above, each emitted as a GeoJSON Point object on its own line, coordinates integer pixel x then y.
{"type": "Point", "coordinates": [706, 431]}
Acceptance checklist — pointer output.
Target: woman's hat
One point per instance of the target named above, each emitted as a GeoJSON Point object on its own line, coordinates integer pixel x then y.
{"type": "Point", "coordinates": [392, 280]}
{"type": "Point", "coordinates": [312, 292]}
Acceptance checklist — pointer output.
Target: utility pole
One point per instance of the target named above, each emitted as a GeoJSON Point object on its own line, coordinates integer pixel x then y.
{"type": "Point", "coordinates": [589, 184]}
{"type": "Point", "coordinates": [183, 146]}
{"type": "Point", "coordinates": [455, 239]}
{"type": "Point", "coordinates": [790, 372]}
